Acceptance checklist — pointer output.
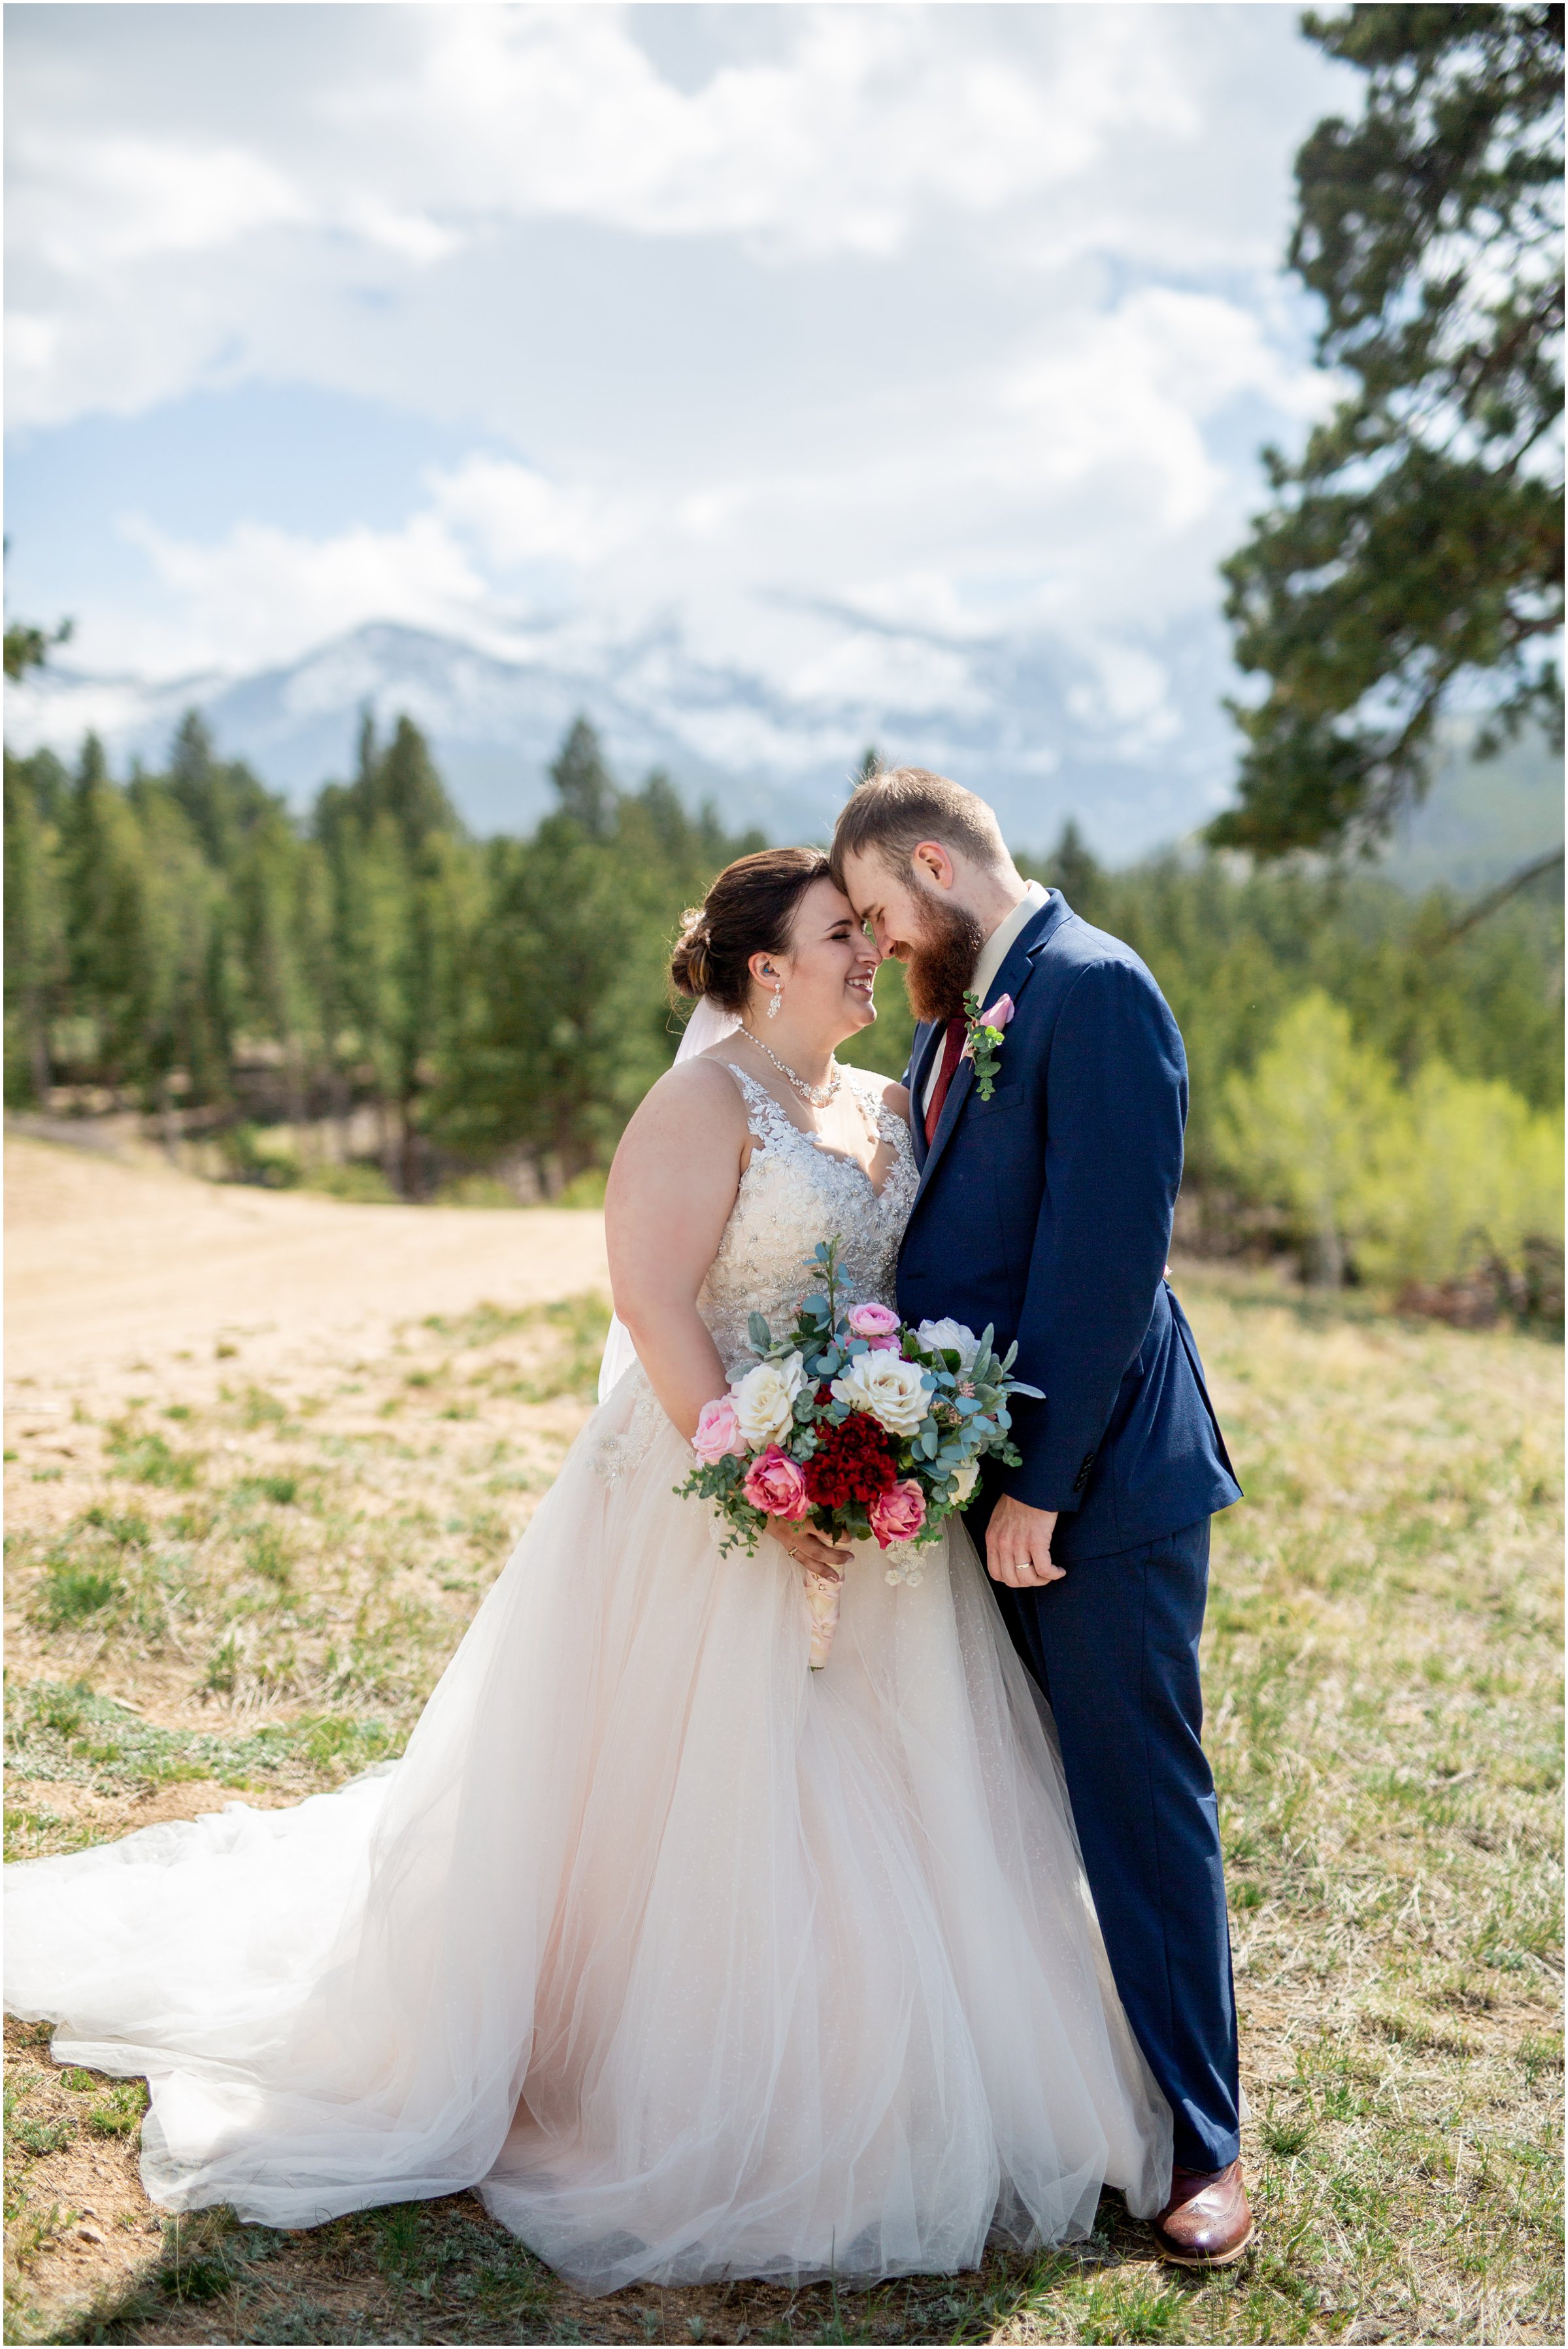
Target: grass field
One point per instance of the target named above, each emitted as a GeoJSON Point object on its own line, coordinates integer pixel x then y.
{"type": "Point", "coordinates": [220, 1587]}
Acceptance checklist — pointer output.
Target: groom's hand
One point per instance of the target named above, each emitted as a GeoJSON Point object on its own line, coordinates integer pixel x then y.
{"type": "Point", "coordinates": [1018, 1544]}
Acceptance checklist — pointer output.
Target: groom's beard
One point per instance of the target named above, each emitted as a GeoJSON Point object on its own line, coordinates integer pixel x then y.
{"type": "Point", "coordinates": [940, 965]}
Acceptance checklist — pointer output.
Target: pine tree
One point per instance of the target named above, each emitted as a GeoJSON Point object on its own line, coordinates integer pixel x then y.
{"type": "Point", "coordinates": [104, 892]}
{"type": "Point", "coordinates": [222, 800]}
{"type": "Point", "coordinates": [400, 879]}
{"type": "Point", "coordinates": [1417, 545]}
{"type": "Point", "coordinates": [37, 948]}
{"type": "Point", "coordinates": [276, 904]}
{"type": "Point", "coordinates": [182, 1040]}
{"type": "Point", "coordinates": [585, 784]}
{"type": "Point", "coordinates": [403, 784]}
{"type": "Point", "coordinates": [1073, 868]}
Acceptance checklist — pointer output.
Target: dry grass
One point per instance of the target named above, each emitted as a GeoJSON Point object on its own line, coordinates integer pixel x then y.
{"type": "Point", "coordinates": [220, 1585]}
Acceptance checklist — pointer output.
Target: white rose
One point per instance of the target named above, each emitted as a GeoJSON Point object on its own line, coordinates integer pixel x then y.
{"type": "Point", "coordinates": [966, 1478]}
{"type": "Point", "coordinates": [765, 1400]}
{"type": "Point", "coordinates": [950, 1338]}
{"type": "Point", "coordinates": [888, 1387]}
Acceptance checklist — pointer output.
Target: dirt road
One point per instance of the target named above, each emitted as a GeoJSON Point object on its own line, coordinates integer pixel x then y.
{"type": "Point", "coordinates": [110, 1265]}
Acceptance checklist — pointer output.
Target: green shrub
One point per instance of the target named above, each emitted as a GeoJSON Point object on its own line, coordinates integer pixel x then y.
{"type": "Point", "coordinates": [71, 1593]}
{"type": "Point", "coordinates": [118, 2113]}
{"type": "Point", "coordinates": [150, 1459]}
{"type": "Point", "coordinates": [128, 1528]}
{"type": "Point", "coordinates": [362, 1184]}
{"type": "Point", "coordinates": [280, 1490]}
{"type": "Point", "coordinates": [1303, 1129]}
{"type": "Point", "coordinates": [1421, 1183]}
{"type": "Point", "coordinates": [584, 1190]}
{"type": "Point", "coordinates": [1467, 1173]}
{"type": "Point", "coordinates": [252, 1155]}
{"type": "Point", "coordinates": [476, 1191]}
{"type": "Point", "coordinates": [266, 1554]}
{"type": "Point", "coordinates": [259, 1409]}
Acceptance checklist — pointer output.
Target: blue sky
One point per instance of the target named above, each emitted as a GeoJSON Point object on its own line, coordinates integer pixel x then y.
{"type": "Point", "coordinates": [844, 340]}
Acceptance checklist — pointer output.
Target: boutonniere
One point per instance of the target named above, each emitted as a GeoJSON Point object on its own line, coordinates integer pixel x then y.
{"type": "Point", "coordinates": [985, 1038]}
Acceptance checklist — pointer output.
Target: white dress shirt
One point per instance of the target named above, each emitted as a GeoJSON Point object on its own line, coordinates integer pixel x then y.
{"type": "Point", "coordinates": [993, 955]}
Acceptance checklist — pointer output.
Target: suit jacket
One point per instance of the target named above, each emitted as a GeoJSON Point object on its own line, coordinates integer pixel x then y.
{"type": "Point", "coordinates": [1046, 1211]}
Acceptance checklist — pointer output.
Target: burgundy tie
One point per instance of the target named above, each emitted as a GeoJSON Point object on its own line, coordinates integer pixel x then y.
{"type": "Point", "coordinates": [952, 1052]}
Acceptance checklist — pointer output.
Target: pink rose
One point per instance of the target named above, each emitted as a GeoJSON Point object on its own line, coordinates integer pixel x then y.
{"type": "Point", "coordinates": [718, 1431]}
{"type": "Point", "coordinates": [874, 1322]}
{"type": "Point", "coordinates": [999, 1014]}
{"type": "Point", "coordinates": [898, 1515]}
{"type": "Point", "coordinates": [774, 1484]}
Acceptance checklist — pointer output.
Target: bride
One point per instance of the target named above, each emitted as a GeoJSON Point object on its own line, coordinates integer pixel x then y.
{"type": "Point", "coordinates": [693, 1963]}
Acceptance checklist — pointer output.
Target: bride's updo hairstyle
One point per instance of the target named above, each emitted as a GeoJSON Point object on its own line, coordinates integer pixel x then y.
{"type": "Point", "coordinates": [748, 910]}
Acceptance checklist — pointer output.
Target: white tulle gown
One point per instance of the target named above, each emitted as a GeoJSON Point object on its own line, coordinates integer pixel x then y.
{"type": "Point", "coordinates": [693, 1963]}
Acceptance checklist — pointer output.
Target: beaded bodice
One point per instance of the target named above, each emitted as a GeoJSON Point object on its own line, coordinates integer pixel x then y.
{"type": "Point", "coordinates": [793, 1192]}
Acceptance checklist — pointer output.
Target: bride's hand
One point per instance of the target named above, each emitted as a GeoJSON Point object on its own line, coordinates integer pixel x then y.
{"type": "Point", "coordinates": [809, 1548]}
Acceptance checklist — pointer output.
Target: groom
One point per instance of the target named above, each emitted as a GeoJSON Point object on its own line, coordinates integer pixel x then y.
{"type": "Point", "coordinates": [1047, 1210]}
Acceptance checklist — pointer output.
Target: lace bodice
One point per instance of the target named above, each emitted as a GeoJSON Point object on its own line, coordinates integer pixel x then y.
{"type": "Point", "coordinates": [795, 1192]}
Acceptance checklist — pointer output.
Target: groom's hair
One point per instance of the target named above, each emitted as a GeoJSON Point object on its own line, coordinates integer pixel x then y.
{"type": "Point", "coordinates": [892, 811]}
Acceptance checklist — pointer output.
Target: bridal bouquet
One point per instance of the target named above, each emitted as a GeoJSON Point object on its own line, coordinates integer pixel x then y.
{"type": "Point", "coordinates": [858, 1423]}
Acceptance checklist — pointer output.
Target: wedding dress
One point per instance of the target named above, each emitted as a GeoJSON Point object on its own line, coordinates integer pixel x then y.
{"type": "Point", "coordinates": [695, 1964]}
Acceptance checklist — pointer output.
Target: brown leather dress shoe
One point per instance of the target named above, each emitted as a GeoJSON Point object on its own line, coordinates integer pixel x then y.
{"type": "Point", "coordinates": [1207, 2221]}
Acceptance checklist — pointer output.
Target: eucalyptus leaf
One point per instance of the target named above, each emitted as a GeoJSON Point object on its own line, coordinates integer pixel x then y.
{"type": "Point", "coordinates": [760, 1335]}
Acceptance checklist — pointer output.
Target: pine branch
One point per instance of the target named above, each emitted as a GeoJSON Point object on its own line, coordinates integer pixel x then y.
{"type": "Point", "coordinates": [1489, 905]}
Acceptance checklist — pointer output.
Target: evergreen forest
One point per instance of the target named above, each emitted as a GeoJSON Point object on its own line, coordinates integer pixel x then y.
{"type": "Point", "coordinates": [369, 1000]}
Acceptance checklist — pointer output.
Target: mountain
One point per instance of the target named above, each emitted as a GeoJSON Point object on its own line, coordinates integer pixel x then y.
{"type": "Point", "coordinates": [1042, 741]}
{"type": "Point", "coordinates": [1138, 753]}
{"type": "Point", "coordinates": [1483, 819]}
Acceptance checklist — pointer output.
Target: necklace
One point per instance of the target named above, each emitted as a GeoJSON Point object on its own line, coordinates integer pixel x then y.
{"type": "Point", "coordinates": [818, 1096]}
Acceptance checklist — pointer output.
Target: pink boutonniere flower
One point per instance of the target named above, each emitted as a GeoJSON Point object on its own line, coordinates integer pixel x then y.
{"type": "Point", "coordinates": [984, 1041]}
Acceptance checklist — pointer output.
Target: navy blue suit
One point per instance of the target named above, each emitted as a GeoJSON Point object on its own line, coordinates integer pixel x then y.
{"type": "Point", "coordinates": [1046, 1211]}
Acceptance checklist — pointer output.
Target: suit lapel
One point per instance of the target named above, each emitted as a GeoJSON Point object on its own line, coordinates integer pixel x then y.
{"type": "Point", "coordinates": [1011, 980]}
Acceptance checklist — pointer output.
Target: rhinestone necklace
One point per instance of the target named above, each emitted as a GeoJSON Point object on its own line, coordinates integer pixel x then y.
{"type": "Point", "coordinates": [818, 1096]}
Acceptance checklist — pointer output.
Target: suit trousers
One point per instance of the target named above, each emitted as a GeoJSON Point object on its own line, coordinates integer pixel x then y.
{"type": "Point", "coordinates": [1113, 1647]}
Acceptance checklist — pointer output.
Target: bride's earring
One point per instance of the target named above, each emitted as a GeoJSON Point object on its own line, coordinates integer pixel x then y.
{"type": "Point", "coordinates": [774, 1000]}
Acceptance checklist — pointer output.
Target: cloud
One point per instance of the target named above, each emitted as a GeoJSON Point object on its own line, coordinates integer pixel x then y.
{"type": "Point", "coordinates": [1005, 505]}
{"type": "Point", "coordinates": [260, 594]}
{"type": "Point", "coordinates": [884, 355]}
{"type": "Point", "coordinates": [518, 518]}
{"type": "Point", "coordinates": [1130, 391]}
{"type": "Point", "coordinates": [87, 207]}
{"type": "Point", "coordinates": [872, 115]}
{"type": "Point", "coordinates": [232, 178]}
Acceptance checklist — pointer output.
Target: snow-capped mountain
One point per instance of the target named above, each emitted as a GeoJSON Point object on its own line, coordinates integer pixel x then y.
{"type": "Point", "coordinates": [1042, 740]}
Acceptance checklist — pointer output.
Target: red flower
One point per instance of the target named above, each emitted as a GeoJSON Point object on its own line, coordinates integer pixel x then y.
{"type": "Point", "coordinates": [851, 1463]}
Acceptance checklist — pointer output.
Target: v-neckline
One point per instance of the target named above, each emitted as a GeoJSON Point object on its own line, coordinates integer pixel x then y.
{"type": "Point", "coordinates": [839, 1157]}
{"type": "Point", "coordinates": [844, 1158]}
